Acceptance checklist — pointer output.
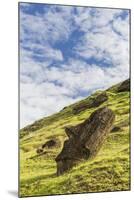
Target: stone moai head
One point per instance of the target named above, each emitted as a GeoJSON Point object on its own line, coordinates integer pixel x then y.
{"type": "Point", "coordinates": [85, 139]}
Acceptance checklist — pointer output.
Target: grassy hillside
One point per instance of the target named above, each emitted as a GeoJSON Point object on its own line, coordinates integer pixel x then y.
{"type": "Point", "coordinates": [109, 171]}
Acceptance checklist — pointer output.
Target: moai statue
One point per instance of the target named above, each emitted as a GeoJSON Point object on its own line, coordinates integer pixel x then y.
{"type": "Point", "coordinates": [85, 139]}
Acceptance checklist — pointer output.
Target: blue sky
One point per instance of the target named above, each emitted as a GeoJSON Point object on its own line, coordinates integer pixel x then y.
{"type": "Point", "coordinates": [67, 53]}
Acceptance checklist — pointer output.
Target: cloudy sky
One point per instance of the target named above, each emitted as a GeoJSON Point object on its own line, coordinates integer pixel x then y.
{"type": "Point", "coordinates": [68, 52]}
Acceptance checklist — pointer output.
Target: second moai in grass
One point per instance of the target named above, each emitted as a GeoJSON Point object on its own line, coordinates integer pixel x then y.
{"type": "Point", "coordinates": [85, 139]}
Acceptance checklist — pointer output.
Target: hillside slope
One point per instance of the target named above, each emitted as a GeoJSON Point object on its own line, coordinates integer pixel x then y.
{"type": "Point", "coordinates": [109, 171]}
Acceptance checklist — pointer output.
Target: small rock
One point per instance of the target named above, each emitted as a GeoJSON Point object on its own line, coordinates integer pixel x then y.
{"type": "Point", "coordinates": [39, 151]}
{"type": "Point", "coordinates": [64, 108]}
{"type": "Point", "coordinates": [101, 98]}
{"type": "Point", "coordinates": [50, 143]}
{"type": "Point", "coordinates": [115, 129]}
{"type": "Point", "coordinates": [97, 101]}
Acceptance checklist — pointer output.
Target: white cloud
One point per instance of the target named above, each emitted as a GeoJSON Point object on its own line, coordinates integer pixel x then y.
{"type": "Point", "coordinates": [42, 100]}
{"type": "Point", "coordinates": [39, 100]}
{"type": "Point", "coordinates": [49, 27]}
{"type": "Point", "coordinates": [48, 81]}
{"type": "Point", "coordinates": [41, 50]}
{"type": "Point", "coordinates": [107, 44]}
{"type": "Point", "coordinates": [90, 18]}
{"type": "Point", "coordinates": [122, 27]}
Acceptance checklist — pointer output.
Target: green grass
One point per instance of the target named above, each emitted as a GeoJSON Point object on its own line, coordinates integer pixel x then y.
{"type": "Point", "coordinates": [109, 171]}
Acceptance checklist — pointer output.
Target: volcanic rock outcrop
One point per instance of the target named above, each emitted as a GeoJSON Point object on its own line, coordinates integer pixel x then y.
{"type": "Point", "coordinates": [85, 139]}
{"type": "Point", "coordinates": [125, 86]}
{"type": "Point", "coordinates": [101, 98]}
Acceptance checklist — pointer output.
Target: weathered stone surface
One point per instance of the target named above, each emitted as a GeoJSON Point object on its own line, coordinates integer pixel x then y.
{"type": "Point", "coordinates": [101, 98]}
{"type": "Point", "coordinates": [125, 86]}
{"type": "Point", "coordinates": [78, 108]}
{"type": "Point", "coordinates": [85, 139]}
{"type": "Point", "coordinates": [49, 144]}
